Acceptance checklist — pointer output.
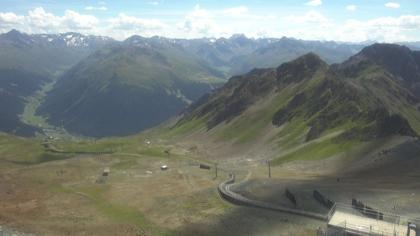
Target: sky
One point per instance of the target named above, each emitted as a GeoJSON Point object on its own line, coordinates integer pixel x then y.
{"type": "Point", "coordinates": [337, 20]}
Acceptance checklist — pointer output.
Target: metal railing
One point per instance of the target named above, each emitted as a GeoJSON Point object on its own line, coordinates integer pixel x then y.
{"type": "Point", "coordinates": [364, 229]}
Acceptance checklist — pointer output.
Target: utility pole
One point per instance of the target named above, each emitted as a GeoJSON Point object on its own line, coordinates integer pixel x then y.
{"type": "Point", "coordinates": [395, 213]}
{"type": "Point", "coordinates": [269, 168]}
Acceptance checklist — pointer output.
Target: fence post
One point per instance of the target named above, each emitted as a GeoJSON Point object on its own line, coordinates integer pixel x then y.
{"type": "Point", "coordinates": [345, 227]}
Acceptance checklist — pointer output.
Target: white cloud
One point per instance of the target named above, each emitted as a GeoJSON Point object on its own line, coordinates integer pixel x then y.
{"type": "Point", "coordinates": [10, 18]}
{"type": "Point", "coordinates": [314, 3]}
{"type": "Point", "coordinates": [155, 3]}
{"type": "Point", "coordinates": [225, 22]}
{"type": "Point", "coordinates": [123, 21]}
{"type": "Point", "coordinates": [92, 8]}
{"type": "Point", "coordinates": [392, 5]}
{"type": "Point", "coordinates": [200, 12]}
{"type": "Point", "coordinates": [74, 20]}
{"type": "Point", "coordinates": [313, 25]}
{"type": "Point", "coordinates": [383, 29]}
{"type": "Point", "coordinates": [405, 22]}
{"type": "Point", "coordinates": [236, 11]}
{"type": "Point", "coordinates": [310, 17]}
{"type": "Point", "coordinates": [124, 26]}
{"type": "Point", "coordinates": [40, 21]}
{"type": "Point", "coordinates": [201, 23]}
{"type": "Point", "coordinates": [351, 7]}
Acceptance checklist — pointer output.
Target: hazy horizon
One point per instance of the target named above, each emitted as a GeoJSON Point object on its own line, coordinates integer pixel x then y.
{"type": "Point", "coordinates": [344, 21]}
{"type": "Point", "coordinates": [367, 42]}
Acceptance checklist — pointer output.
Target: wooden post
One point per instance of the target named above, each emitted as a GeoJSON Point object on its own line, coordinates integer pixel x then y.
{"type": "Point", "coordinates": [215, 169]}
{"type": "Point", "coordinates": [168, 152]}
{"type": "Point", "coordinates": [269, 169]}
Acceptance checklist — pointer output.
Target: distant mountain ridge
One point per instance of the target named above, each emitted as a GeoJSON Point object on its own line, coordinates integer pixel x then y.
{"type": "Point", "coordinates": [239, 54]}
{"type": "Point", "coordinates": [93, 70]}
{"type": "Point", "coordinates": [70, 39]}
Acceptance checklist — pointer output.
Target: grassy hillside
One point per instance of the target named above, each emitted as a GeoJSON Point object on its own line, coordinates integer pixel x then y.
{"type": "Point", "coordinates": [124, 89]}
{"type": "Point", "coordinates": [28, 62]}
{"type": "Point", "coordinates": [15, 85]}
{"type": "Point", "coordinates": [304, 110]}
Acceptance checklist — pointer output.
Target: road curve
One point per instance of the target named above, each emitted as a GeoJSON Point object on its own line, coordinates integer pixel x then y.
{"type": "Point", "coordinates": [227, 194]}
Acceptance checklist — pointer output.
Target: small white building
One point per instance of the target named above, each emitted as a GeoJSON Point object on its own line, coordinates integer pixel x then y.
{"type": "Point", "coordinates": [106, 171]}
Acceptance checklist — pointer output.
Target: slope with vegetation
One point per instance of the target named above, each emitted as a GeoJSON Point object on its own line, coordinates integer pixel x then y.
{"type": "Point", "coordinates": [126, 88]}
{"type": "Point", "coordinates": [305, 103]}
{"type": "Point", "coordinates": [27, 62]}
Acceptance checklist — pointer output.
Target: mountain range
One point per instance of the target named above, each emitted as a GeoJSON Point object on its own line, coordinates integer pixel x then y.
{"type": "Point", "coordinates": [102, 87]}
{"type": "Point", "coordinates": [306, 104]}
{"type": "Point", "coordinates": [127, 87]}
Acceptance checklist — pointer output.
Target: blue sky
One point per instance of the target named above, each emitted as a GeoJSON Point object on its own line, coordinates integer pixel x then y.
{"type": "Point", "coordinates": [340, 20]}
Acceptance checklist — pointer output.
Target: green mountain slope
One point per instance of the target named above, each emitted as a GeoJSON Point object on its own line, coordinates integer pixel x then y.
{"type": "Point", "coordinates": [127, 88]}
{"type": "Point", "coordinates": [29, 61]}
{"type": "Point", "coordinates": [15, 85]}
{"type": "Point", "coordinates": [305, 105]}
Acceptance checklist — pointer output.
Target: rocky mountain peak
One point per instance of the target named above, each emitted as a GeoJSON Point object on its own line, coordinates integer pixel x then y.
{"type": "Point", "coordinates": [397, 59]}
{"type": "Point", "coordinates": [300, 68]}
